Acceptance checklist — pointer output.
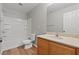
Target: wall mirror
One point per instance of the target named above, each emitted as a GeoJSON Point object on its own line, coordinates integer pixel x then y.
{"type": "Point", "coordinates": [63, 17]}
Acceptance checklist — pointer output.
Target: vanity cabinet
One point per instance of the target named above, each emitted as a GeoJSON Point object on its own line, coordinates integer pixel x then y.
{"type": "Point", "coordinates": [58, 49]}
{"type": "Point", "coordinates": [47, 47]}
{"type": "Point", "coordinates": [42, 46]}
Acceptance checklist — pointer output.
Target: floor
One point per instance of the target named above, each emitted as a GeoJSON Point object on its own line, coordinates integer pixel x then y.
{"type": "Point", "coordinates": [21, 51]}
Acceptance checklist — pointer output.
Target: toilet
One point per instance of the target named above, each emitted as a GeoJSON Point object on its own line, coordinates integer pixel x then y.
{"type": "Point", "coordinates": [29, 42]}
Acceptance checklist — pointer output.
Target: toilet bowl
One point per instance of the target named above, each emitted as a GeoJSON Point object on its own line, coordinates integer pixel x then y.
{"type": "Point", "coordinates": [29, 42]}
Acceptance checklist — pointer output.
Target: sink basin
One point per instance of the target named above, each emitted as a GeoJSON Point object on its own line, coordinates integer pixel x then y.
{"type": "Point", "coordinates": [50, 36]}
{"type": "Point", "coordinates": [53, 36]}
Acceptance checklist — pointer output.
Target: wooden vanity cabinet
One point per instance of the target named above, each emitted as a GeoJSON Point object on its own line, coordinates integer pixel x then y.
{"type": "Point", "coordinates": [46, 47]}
{"type": "Point", "coordinates": [58, 49]}
{"type": "Point", "coordinates": [42, 46]}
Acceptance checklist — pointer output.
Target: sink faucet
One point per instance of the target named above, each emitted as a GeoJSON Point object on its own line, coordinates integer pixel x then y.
{"type": "Point", "coordinates": [57, 35]}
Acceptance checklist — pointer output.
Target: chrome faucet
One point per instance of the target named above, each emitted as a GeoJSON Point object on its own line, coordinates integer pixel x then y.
{"type": "Point", "coordinates": [57, 34]}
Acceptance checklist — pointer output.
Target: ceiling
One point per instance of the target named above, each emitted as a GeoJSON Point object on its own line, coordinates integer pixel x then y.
{"type": "Point", "coordinates": [29, 6]}
{"type": "Point", "coordinates": [26, 7]}
{"type": "Point", "coordinates": [56, 6]}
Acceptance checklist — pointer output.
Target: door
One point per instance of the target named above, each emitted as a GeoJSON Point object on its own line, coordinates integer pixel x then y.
{"type": "Point", "coordinates": [13, 32]}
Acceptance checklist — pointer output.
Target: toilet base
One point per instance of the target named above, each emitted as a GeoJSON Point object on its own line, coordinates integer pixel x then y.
{"type": "Point", "coordinates": [28, 46]}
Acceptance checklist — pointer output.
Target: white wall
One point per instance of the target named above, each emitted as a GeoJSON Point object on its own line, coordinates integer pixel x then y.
{"type": "Point", "coordinates": [0, 9]}
{"type": "Point", "coordinates": [29, 25]}
{"type": "Point", "coordinates": [13, 13]}
{"type": "Point", "coordinates": [0, 12]}
{"type": "Point", "coordinates": [39, 19]}
{"type": "Point", "coordinates": [56, 18]}
{"type": "Point", "coordinates": [0, 23]}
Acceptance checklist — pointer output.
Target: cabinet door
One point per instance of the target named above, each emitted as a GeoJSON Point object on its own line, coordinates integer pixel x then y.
{"type": "Point", "coordinates": [58, 49]}
{"type": "Point", "coordinates": [42, 46]}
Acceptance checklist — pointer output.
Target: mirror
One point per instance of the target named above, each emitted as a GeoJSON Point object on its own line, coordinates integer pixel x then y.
{"type": "Point", "coordinates": [71, 21]}
{"type": "Point", "coordinates": [63, 17]}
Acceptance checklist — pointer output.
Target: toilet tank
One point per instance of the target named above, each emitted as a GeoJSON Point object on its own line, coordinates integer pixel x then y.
{"type": "Point", "coordinates": [33, 36]}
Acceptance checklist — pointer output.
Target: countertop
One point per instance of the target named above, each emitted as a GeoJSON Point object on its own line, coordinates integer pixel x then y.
{"type": "Point", "coordinates": [74, 42]}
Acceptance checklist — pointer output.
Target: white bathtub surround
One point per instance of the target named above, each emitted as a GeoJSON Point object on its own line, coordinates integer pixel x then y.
{"type": "Point", "coordinates": [13, 32]}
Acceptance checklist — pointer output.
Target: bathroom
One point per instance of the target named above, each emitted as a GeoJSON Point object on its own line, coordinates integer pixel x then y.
{"type": "Point", "coordinates": [25, 27]}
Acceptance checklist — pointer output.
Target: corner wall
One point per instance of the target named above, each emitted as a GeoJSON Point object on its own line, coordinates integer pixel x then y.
{"type": "Point", "coordinates": [39, 19]}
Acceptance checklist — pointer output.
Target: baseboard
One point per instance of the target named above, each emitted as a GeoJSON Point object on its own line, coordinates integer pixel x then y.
{"type": "Point", "coordinates": [15, 46]}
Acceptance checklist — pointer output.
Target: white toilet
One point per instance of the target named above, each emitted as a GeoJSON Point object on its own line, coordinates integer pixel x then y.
{"type": "Point", "coordinates": [28, 42]}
